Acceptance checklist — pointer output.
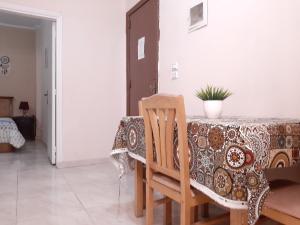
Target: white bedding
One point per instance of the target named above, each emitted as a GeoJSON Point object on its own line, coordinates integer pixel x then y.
{"type": "Point", "coordinates": [9, 133]}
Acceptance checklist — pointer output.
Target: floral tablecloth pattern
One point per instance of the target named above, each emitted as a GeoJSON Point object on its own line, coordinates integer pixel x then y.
{"type": "Point", "coordinates": [227, 156]}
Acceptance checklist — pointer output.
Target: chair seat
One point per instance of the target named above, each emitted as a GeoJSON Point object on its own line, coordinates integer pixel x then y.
{"type": "Point", "coordinates": [286, 200]}
{"type": "Point", "coordinates": [172, 183]}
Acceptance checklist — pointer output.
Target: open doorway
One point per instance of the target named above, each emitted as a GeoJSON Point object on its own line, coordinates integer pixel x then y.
{"type": "Point", "coordinates": [41, 103]}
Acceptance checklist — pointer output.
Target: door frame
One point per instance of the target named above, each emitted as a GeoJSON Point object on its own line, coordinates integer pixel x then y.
{"type": "Point", "coordinates": [57, 18]}
{"type": "Point", "coordinates": [136, 7]}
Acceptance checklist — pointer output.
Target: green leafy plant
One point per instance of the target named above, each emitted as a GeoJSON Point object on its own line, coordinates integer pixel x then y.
{"type": "Point", "coordinates": [213, 93]}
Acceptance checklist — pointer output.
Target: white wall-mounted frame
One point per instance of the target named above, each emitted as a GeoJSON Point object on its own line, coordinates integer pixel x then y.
{"type": "Point", "coordinates": [57, 18]}
{"type": "Point", "coordinates": [198, 14]}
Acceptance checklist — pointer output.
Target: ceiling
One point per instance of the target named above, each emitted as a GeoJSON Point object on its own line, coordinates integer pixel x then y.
{"type": "Point", "coordinates": [19, 21]}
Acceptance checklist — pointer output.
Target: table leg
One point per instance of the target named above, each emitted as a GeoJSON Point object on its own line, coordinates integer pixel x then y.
{"type": "Point", "coordinates": [168, 213]}
{"type": "Point", "coordinates": [238, 217]}
{"type": "Point", "coordinates": [204, 210]}
{"type": "Point", "coordinates": [139, 189]}
{"type": "Point", "coordinates": [144, 191]}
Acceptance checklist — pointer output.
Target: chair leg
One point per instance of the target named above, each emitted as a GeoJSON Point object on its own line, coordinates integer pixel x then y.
{"type": "Point", "coordinates": [185, 214]}
{"type": "Point", "coordinates": [194, 214]}
{"type": "Point", "coordinates": [168, 213]}
{"type": "Point", "coordinates": [149, 205]}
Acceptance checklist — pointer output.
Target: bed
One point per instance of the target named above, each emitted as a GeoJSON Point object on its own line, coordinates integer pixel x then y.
{"type": "Point", "coordinates": [10, 136]}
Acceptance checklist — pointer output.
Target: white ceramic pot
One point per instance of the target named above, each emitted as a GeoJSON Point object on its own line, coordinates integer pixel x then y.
{"type": "Point", "coordinates": [213, 108]}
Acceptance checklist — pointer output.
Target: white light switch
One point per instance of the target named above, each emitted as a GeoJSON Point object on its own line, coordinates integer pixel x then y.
{"type": "Point", "coordinates": [174, 71]}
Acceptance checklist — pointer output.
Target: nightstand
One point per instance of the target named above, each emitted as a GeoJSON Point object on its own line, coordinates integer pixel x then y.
{"type": "Point", "coordinates": [27, 126]}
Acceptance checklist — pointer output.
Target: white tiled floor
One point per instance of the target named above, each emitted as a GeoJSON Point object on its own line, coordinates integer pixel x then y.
{"type": "Point", "coordinates": [32, 192]}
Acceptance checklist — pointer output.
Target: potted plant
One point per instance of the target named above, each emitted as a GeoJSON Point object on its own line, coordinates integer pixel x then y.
{"type": "Point", "coordinates": [213, 98]}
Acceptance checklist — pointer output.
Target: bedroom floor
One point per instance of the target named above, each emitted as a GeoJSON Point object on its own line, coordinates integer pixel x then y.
{"type": "Point", "coordinates": [32, 192]}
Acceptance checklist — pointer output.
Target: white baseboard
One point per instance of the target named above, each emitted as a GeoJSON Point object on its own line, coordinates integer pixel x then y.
{"type": "Point", "coordinates": [79, 163]}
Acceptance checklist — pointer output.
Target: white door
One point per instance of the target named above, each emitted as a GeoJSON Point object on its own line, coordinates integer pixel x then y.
{"type": "Point", "coordinates": [49, 89]}
{"type": "Point", "coordinates": [52, 105]}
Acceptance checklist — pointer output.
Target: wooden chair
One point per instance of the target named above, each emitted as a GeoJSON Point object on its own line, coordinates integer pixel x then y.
{"type": "Point", "coordinates": [283, 205]}
{"type": "Point", "coordinates": [160, 113]}
{"type": "Point", "coordinates": [283, 202]}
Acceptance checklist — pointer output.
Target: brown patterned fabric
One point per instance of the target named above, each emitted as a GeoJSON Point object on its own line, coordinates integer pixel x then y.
{"type": "Point", "coordinates": [227, 156]}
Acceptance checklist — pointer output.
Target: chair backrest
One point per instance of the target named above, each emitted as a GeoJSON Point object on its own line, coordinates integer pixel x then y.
{"type": "Point", "coordinates": [161, 113]}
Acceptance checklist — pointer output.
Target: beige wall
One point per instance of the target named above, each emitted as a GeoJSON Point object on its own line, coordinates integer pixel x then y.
{"type": "Point", "coordinates": [251, 47]}
{"type": "Point", "coordinates": [130, 4]}
{"type": "Point", "coordinates": [245, 47]}
{"type": "Point", "coordinates": [93, 73]}
{"type": "Point", "coordinates": [19, 45]}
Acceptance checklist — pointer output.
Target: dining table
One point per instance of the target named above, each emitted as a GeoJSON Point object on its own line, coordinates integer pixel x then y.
{"type": "Point", "coordinates": [228, 158]}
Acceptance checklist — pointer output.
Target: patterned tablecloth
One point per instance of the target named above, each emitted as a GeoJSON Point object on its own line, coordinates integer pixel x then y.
{"type": "Point", "coordinates": [227, 156]}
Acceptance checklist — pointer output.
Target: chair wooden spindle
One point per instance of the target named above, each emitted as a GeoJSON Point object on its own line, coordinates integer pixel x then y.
{"type": "Point", "coordinates": [155, 129]}
{"type": "Point", "coordinates": [170, 138]}
{"type": "Point", "coordinates": [162, 135]}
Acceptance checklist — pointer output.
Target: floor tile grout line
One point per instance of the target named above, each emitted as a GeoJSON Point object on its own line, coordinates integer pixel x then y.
{"type": "Point", "coordinates": [78, 199]}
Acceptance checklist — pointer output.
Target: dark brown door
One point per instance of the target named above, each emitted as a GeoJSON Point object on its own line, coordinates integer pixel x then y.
{"type": "Point", "coordinates": [142, 52]}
